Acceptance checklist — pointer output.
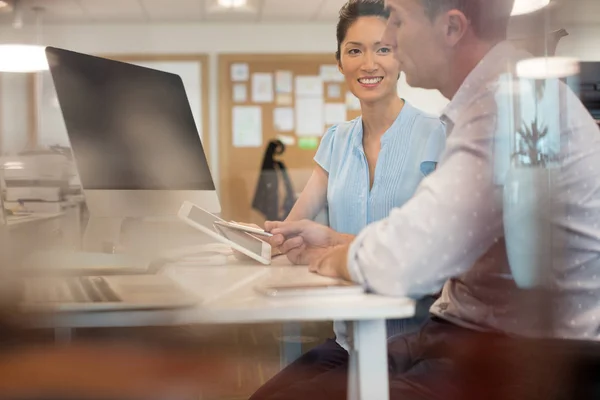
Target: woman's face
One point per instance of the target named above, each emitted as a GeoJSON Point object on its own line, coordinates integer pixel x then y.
{"type": "Point", "coordinates": [370, 68]}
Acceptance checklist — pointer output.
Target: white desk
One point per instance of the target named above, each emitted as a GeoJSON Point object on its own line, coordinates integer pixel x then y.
{"type": "Point", "coordinates": [228, 296]}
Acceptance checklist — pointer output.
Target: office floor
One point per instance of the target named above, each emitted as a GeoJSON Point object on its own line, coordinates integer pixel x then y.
{"type": "Point", "coordinates": [255, 350]}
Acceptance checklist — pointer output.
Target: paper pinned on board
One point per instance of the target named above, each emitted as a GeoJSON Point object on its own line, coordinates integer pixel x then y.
{"type": "Point", "coordinates": [309, 86]}
{"type": "Point", "coordinates": [335, 113]}
{"type": "Point", "coordinates": [247, 126]}
{"type": "Point", "coordinates": [308, 143]}
{"type": "Point", "coordinates": [309, 116]}
{"type": "Point", "coordinates": [352, 101]}
{"type": "Point", "coordinates": [334, 91]}
{"type": "Point", "coordinates": [283, 119]}
{"type": "Point", "coordinates": [262, 88]}
{"type": "Point", "coordinates": [284, 82]}
{"type": "Point", "coordinates": [283, 99]}
{"type": "Point", "coordinates": [240, 72]}
{"type": "Point", "coordinates": [240, 93]}
{"type": "Point", "coordinates": [287, 140]}
{"type": "Point", "coordinates": [331, 73]}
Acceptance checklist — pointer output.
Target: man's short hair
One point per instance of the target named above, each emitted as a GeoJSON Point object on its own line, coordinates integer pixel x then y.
{"type": "Point", "coordinates": [488, 17]}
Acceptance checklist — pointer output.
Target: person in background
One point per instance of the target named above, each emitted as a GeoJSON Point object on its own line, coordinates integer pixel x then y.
{"type": "Point", "coordinates": [451, 232]}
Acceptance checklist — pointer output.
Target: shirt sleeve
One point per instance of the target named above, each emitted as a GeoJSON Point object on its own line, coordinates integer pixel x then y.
{"type": "Point", "coordinates": [325, 150]}
{"type": "Point", "coordinates": [453, 218]}
{"type": "Point", "coordinates": [436, 143]}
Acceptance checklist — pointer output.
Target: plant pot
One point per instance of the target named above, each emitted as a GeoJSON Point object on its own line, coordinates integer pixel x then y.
{"type": "Point", "coordinates": [527, 224]}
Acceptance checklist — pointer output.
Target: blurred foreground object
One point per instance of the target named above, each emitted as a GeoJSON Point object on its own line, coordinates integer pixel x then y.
{"type": "Point", "coordinates": [110, 371]}
{"type": "Point", "coordinates": [530, 369]}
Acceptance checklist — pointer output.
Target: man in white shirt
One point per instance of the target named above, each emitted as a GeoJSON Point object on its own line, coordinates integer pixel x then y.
{"type": "Point", "coordinates": [451, 232]}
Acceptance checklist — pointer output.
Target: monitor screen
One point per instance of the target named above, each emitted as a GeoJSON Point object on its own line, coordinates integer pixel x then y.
{"type": "Point", "coordinates": [589, 78]}
{"type": "Point", "coordinates": [130, 127]}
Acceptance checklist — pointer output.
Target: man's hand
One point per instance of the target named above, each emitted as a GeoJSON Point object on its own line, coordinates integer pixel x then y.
{"type": "Point", "coordinates": [333, 263]}
{"type": "Point", "coordinates": [304, 242]}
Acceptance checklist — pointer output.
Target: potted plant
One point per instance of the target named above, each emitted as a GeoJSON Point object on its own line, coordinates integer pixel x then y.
{"type": "Point", "coordinates": [528, 207]}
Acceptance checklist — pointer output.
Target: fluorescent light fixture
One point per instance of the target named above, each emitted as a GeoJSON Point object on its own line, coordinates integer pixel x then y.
{"type": "Point", "coordinates": [232, 3]}
{"type": "Point", "coordinates": [22, 58]}
{"type": "Point", "coordinates": [3, 4]}
{"type": "Point", "coordinates": [528, 6]}
{"type": "Point", "coordinates": [548, 67]}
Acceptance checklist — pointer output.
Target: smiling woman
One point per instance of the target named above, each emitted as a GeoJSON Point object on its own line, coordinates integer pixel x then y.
{"type": "Point", "coordinates": [370, 165]}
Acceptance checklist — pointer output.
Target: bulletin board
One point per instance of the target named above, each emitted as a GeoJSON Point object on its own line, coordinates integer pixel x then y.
{"type": "Point", "coordinates": [290, 97]}
{"type": "Point", "coordinates": [47, 125]}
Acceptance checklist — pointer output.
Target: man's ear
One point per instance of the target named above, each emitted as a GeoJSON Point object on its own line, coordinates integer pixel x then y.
{"type": "Point", "coordinates": [455, 24]}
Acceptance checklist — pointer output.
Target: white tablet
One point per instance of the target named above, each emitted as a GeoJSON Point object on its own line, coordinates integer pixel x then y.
{"type": "Point", "coordinates": [241, 241]}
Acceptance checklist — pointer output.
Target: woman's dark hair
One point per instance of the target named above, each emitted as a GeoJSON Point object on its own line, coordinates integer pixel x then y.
{"type": "Point", "coordinates": [353, 10]}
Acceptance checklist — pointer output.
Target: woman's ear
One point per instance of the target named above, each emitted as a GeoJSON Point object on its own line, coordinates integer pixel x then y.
{"type": "Point", "coordinates": [339, 63]}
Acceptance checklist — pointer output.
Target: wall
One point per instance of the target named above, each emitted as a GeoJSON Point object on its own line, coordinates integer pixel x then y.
{"type": "Point", "coordinates": [583, 42]}
{"type": "Point", "coordinates": [193, 38]}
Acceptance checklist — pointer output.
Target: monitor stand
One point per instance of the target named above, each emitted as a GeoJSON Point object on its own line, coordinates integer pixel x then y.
{"type": "Point", "coordinates": [144, 237]}
{"type": "Point", "coordinates": [103, 234]}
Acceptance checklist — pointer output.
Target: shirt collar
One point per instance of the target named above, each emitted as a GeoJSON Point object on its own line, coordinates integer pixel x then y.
{"type": "Point", "coordinates": [500, 59]}
{"type": "Point", "coordinates": [358, 133]}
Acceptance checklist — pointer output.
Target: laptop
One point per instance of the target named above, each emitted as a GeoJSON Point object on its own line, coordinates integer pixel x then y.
{"type": "Point", "coordinates": [102, 293]}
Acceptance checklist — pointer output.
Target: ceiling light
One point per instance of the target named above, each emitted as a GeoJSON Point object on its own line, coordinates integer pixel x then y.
{"type": "Point", "coordinates": [232, 3]}
{"type": "Point", "coordinates": [528, 6]}
{"type": "Point", "coordinates": [3, 4]}
{"type": "Point", "coordinates": [22, 58]}
{"type": "Point", "coordinates": [548, 67]}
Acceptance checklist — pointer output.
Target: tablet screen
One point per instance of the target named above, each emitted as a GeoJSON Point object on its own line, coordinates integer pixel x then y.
{"type": "Point", "coordinates": [208, 220]}
{"type": "Point", "coordinates": [244, 239]}
{"type": "Point", "coordinates": [202, 217]}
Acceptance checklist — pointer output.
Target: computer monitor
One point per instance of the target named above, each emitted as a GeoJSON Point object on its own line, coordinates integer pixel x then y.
{"type": "Point", "coordinates": [589, 78]}
{"type": "Point", "coordinates": [133, 137]}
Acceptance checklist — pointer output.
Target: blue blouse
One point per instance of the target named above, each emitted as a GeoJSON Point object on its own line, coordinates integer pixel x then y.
{"type": "Point", "coordinates": [410, 149]}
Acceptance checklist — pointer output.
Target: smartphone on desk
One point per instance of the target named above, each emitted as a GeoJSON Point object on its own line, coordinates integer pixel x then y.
{"type": "Point", "coordinates": [310, 289]}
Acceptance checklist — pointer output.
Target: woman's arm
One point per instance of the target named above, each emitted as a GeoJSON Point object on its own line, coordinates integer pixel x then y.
{"type": "Point", "coordinates": [313, 197]}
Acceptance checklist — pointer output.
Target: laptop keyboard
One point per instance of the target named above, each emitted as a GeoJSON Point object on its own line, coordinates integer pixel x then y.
{"type": "Point", "coordinates": [69, 290]}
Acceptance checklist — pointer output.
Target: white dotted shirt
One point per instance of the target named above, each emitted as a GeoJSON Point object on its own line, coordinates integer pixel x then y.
{"type": "Point", "coordinates": [451, 233]}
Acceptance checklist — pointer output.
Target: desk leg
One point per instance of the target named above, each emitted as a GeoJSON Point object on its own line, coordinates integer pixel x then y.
{"type": "Point", "coordinates": [290, 350]}
{"type": "Point", "coordinates": [63, 335]}
{"type": "Point", "coordinates": [368, 366]}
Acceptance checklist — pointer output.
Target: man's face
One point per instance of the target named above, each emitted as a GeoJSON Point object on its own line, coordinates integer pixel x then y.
{"type": "Point", "coordinates": [418, 43]}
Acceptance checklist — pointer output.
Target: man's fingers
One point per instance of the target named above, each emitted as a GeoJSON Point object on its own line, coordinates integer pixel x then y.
{"type": "Point", "coordinates": [287, 229]}
{"type": "Point", "coordinates": [296, 256]}
{"type": "Point", "coordinates": [292, 243]}
{"type": "Point", "coordinates": [275, 240]}
{"type": "Point", "coordinates": [270, 225]}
